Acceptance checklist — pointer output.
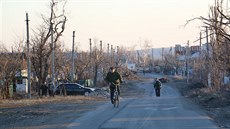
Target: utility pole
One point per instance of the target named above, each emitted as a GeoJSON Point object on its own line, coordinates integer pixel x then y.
{"type": "Point", "coordinates": [90, 46]}
{"type": "Point", "coordinates": [108, 49]}
{"type": "Point", "coordinates": [162, 53]}
{"type": "Point", "coordinates": [187, 61]}
{"type": "Point", "coordinates": [108, 54]}
{"type": "Point", "coordinates": [52, 43]}
{"type": "Point", "coordinates": [207, 39]}
{"type": "Point", "coordinates": [207, 42]}
{"type": "Point", "coordinates": [117, 57]}
{"type": "Point", "coordinates": [90, 57]}
{"type": "Point", "coordinates": [101, 46]}
{"type": "Point", "coordinates": [138, 58]}
{"type": "Point", "coordinates": [73, 75]}
{"type": "Point", "coordinates": [101, 58]}
{"type": "Point", "coordinates": [200, 41]}
{"type": "Point", "coordinates": [112, 54]}
{"type": "Point", "coordinates": [200, 54]}
{"type": "Point", "coordinates": [95, 67]}
{"type": "Point", "coordinates": [28, 56]}
{"type": "Point", "coordinates": [152, 60]}
{"type": "Point", "coordinates": [152, 53]}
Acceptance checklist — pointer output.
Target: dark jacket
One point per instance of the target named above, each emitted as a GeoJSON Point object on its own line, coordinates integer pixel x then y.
{"type": "Point", "coordinates": [157, 84]}
{"type": "Point", "coordinates": [114, 77]}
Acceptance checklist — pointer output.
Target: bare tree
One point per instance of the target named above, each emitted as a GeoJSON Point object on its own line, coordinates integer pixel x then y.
{"type": "Point", "coordinates": [218, 55]}
{"type": "Point", "coordinates": [146, 47]}
{"type": "Point", "coordinates": [214, 58]}
{"type": "Point", "coordinates": [42, 48]}
{"type": "Point", "coordinates": [97, 57]}
{"type": "Point", "coordinates": [170, 62]}
{"type": "Point", "coordinates": [10, 63]}
{"type": "Point", "coordinates": [220, 42]}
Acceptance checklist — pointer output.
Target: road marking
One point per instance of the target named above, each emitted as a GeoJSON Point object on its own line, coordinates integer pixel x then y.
{"type": "Point", "coordinates": [159, 118]}
{"type": "Point", "coordinates": [148, 108]}
{"type": "Point", "coordinates": [170, 108]}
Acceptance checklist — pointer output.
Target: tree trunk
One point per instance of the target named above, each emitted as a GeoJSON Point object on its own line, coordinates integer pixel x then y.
{"type": "Point", "coordinates": [95, 75]}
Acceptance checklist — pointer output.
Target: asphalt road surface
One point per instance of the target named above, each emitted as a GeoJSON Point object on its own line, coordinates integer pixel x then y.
{"type": "Point", "coordinates": [170, 111]}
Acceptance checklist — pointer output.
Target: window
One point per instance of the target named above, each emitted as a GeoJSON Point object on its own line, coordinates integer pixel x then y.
{"type": "Point", "coordinates": [19, 81]}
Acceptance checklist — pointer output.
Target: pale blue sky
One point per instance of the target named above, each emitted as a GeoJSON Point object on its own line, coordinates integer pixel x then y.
{"type": "Point", "coordinates": [118, 22]}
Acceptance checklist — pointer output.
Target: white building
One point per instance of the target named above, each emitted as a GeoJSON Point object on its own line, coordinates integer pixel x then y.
{"type": "Point", "coordinates": [21, 81]}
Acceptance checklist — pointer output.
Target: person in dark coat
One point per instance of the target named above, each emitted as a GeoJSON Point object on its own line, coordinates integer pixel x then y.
{"type": "Point", "coordinates": [157, 86]}
{"type": "Point", "coordinates": [113, 78]}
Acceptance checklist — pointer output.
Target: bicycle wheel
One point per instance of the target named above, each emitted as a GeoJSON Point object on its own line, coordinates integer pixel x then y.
{"type": "Point", "coordinates": [116, 100]}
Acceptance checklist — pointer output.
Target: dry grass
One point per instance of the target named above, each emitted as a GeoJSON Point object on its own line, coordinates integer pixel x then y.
{"type": "Point", "coordinates": [45, 100]}
{"type": "Point", "coordinates": [215, 103]}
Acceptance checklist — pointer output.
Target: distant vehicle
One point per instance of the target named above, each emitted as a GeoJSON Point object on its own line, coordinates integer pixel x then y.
{"type": "Point", "coordinates": [73, 89]}
{"type": "Point", "coordinates": [164, 80]}
{"type": "Point", "coordinates": [132, 68]}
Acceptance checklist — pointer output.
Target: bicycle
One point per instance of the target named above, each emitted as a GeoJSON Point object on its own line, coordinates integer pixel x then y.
{"type": "Point", "coordinates": [116, 98]}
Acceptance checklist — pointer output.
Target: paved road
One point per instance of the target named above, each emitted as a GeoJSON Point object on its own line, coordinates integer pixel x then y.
{"type": "Point", "coordinates": [170, 111]}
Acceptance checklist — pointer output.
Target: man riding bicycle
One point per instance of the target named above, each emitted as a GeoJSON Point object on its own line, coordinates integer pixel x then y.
{"type": "Point", "coordinates": [113, 78]}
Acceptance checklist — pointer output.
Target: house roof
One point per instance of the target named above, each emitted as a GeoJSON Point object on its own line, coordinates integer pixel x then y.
{"type": "Point", "coordinates": [193, 56]}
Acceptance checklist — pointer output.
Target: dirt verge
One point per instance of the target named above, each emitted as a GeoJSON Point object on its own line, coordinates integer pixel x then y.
{"type": "Point", "coordinates": [53, 112]}
{"type": "Point", "coordinates": [215, 104]}
{"type": "Point", "coordinates": [47, 112]}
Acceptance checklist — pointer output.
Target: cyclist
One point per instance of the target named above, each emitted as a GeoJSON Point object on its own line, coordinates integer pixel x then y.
{"type": "Point", "coordinates": [113, 78]}
{"type": "Point", "coordinates": [157, 85]}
